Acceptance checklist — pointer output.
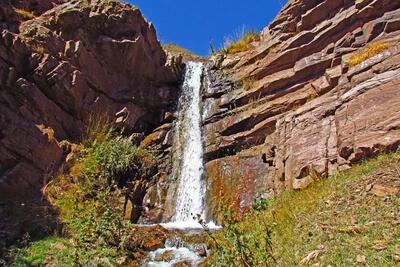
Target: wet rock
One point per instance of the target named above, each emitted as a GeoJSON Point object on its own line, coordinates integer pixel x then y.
{"type": "Point", "coordinates": [148, 239]}
{"type": "Point", "coordinates": [200, 249]}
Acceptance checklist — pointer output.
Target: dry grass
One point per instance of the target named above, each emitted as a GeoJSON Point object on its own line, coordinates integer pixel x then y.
{"type": "Point", "coordinates": [337, 220]}
{"type": "Point", "coordinates": [98, 128]}
{"type": "Point", "coordinates": [24, 14]}
{"type": "Point", "coordinates": [177, 50]}
{"type": "Point", "coordinates": [38, 48]}
{"type": "Point", "coordinates": [369, 51]}
{"type": "Point", "coordinates": [248, 83]}
{"type": "Point", "coordinates": [47, 131]}
{"type": "Point", "coordinates": [241, 43]}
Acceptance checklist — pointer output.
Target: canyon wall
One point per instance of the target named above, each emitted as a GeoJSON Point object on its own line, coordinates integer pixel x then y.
{"type": "Point", "coordinates": [60, 63]}
{"type": "Point", "coordinates": [294, 108]}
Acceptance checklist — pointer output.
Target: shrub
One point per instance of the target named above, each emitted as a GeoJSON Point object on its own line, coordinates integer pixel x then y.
{"type": "Point", "coordinates": [261, 204]}
{"type": "Point", "coordinates": [241, 43]}
{"type": "Point", "coordinates": [24, 14]}
{"type": "Point", "coordinates": [369, 51]}
{"type": "Point", "coordinates": [90, 200]}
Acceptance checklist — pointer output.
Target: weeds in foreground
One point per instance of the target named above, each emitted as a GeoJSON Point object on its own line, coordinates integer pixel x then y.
{"type": "Point", "coordinates": [237, 246]}
{"type": "Point", "coordinates": [90, 201]}
{"type": "Point", "coordinates": [336, 221]}
{"type": "Point", "coordinates": [369, 51]}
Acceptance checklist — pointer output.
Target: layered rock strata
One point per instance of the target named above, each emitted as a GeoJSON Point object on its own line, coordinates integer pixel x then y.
{"type": "Point", "coordinates": [72, 61]}
{"type": "Point", "coordinates": [61, 66]}
{"type": "Point", "coordinates": [293, 108]}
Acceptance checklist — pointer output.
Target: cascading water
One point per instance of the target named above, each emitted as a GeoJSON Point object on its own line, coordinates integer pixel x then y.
{"type": "Point", "coordinates": [188, 170]}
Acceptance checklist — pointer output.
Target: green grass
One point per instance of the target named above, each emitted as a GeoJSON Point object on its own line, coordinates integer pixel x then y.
{"type": "Point", "coordinates": [57, 251]}
{"type": "Point", "coordinates": [336, 218]}
{"type": "Point", "coordinates": [90, 200]}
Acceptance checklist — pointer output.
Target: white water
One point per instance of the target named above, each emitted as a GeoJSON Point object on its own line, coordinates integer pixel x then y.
{"type": "Point", "coordinates": [189, 206]}
{"type": "Point", "coordinates": [175, 254]}
{"type": "Point", "coordinates": [188, 169]}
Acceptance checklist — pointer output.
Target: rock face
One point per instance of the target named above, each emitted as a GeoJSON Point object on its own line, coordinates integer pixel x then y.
{"type": "Point", "coordinates": [305, 112]}
{"type": "Point", "coordinates": [62, 63]}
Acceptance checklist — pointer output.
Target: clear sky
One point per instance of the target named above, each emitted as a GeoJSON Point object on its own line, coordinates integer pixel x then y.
{"type": "Point", "coordinates": [193, 24]}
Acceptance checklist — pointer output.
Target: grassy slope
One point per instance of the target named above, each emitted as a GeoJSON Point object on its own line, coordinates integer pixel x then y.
{"type": "Point", "coordinates": [337, 222]}
{"type": "Point", "coordinates": [186, 54]}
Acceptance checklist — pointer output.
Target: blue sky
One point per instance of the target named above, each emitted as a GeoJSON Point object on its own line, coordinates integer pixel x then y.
{"type": "Point", "coordinates": [193, 24]}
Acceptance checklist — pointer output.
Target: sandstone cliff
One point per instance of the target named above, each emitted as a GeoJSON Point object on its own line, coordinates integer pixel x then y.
{"type": "Point", "coordinates": [61, 62]}
{"type": "Point", "coordinates": [306, 110]}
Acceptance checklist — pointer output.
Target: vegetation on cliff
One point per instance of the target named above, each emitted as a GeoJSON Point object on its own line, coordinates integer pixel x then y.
{"type": "Point", "coordinates": [369, 51]}
{"type": "Point", "coordinates": [348, 219]}
{"type": "Point", "coordinates": [241, 42]}
{"type": "Point", "coordinates": [186, 54]}
{"type": "Point", "coordinates": [90, 200]}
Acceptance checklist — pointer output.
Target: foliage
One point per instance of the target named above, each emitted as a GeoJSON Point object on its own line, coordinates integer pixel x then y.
{"type": "Point", "coordinates": [241, 43]}
{"type": "Point", "coordinates": [90, 200]}
{"type": "Point", "coordinates": [369, 51]}
{"type": "Point", "coordinates": [59, 251]}
{"type": "Point", "coordinates": [236, 246]}
{"type": "Point", "coordinates": [261, 204]}
{"type": "Point", "coordinates": [24, 14]}
{"type": "Point", "coordinates": [335, 219]}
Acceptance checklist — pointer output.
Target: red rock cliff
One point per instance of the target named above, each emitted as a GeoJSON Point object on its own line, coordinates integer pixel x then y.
{"type": "Point", "coordinates": [307, 110]}
{"type": "Point", "coordinates": [60, 62]}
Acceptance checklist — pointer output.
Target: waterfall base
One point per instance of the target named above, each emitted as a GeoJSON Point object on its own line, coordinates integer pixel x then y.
{"type": "Point", "coordinates": [190, 225]}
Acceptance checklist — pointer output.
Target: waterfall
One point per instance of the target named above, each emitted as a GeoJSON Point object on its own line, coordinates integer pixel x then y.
{"type": "Point", "coordinates": [191, 190]}
{"type": "Point", "coordinates": [188, 159]}
{"type": "Point", "coordinates": [187, 168]}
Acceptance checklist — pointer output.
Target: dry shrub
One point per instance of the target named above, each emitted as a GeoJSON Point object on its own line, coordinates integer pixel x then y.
{"type": "Point", "coordinates": [24, 14]}
{"type": "Point", "coordinates": [241, 43]}
{"type": "Point", "coordinates": [369, 51]}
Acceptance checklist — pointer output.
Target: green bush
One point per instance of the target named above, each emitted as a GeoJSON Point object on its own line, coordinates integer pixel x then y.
{"type": "Point", "coordinates": [261, 204]}
{"type": "Point", "coordinates": [90, 200]}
